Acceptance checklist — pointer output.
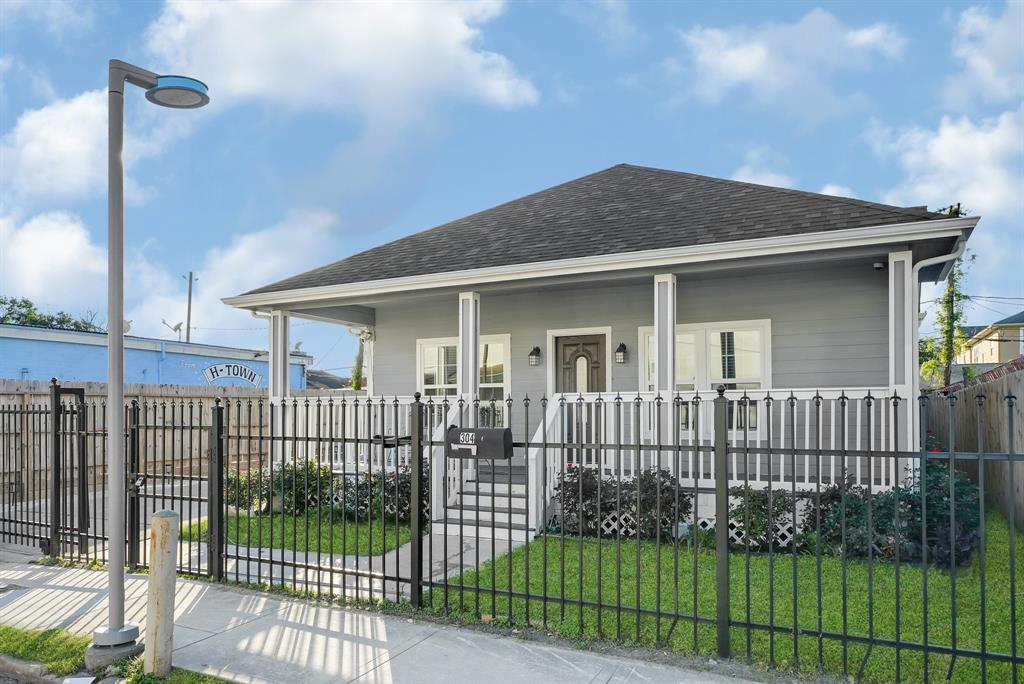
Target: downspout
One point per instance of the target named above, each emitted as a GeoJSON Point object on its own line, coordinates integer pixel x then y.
{"type": "Point", "coordinates": [958, 251]}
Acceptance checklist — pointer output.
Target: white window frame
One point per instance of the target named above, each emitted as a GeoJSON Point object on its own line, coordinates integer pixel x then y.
{"type": "Point", "coordinates": [504, 339]}
{"type": "Point", "coordinates": [702, 333]}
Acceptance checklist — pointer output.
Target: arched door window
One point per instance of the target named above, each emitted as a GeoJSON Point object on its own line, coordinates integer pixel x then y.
{"type": "Point", "coordinates": [582, 374]}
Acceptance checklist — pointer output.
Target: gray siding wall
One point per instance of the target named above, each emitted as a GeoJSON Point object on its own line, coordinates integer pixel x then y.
{"type": "Point", "coordinates": [829, 325]}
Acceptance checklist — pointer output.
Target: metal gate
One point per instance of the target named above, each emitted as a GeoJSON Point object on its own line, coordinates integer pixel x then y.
{"type": "Point", "coordinates": [53, 476]}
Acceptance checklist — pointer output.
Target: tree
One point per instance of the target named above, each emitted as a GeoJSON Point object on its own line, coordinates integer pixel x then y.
{"type": "Point", "coordinates": [21, 311]}
{"type": "Point", "coordinates": [938, 354]}
{"type": "Point", "coordinates": [357, 369]}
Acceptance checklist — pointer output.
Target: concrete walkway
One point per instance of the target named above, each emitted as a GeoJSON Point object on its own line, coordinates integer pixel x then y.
{"type": "Point", "coordinates": [245, 636]}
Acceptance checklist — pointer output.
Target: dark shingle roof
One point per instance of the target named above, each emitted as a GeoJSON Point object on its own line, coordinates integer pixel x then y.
{"type": "Point", "coordinates": [1010, 320]}
{"type": "Point", "coordinates": [622, 209]}
{"type": "Point", "coordinates": [972, 330]}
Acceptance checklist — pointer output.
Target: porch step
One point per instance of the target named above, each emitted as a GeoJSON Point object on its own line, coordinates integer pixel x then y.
{"type": "Point", "coordinates": [472, 516]}
{"type": "Point", "coordinates": [449, 527]}
{"type": "Point", "coordinates": [498, 489]}
{"type": "Point", "coordinates": [499, 501]}
{"type": "Point", "coordinates": [487, 508]}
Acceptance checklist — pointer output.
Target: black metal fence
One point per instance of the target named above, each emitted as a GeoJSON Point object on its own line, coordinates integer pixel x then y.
{"type": "Point", "coordinates": [53, 460]}
{"type": "Point", "coordinates": [797, 531]}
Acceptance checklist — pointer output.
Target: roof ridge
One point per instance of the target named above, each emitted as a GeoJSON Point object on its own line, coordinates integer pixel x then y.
{"type": "Point", "coordinates": [911, 211]}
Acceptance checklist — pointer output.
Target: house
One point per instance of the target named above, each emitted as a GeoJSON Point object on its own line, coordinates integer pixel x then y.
{"type": "Point", "coordinates": [30, 353]}
{"type": "Point", "coordinates": [650, 284]}
{"type": "Point", "coordinates": [995, 343]}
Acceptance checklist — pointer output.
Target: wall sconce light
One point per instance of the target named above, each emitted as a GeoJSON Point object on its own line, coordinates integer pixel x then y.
{"type": "Point", "coordinates": [534, 357]}
{"type": "Point", "coordinates": [620, 353]}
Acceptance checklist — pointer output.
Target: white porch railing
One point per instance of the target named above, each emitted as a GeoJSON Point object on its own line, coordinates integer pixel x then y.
{"type": "Point", "coordinates": [773, 436]}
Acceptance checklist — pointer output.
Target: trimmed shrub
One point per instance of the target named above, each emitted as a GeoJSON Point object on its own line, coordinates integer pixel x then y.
{"type": "Point", "coordinates": [576, 493]}
{"type": "Point", "coordinates": [642, 495]}
{"type": "Point", "coordinates": [396, 495]}
{"type": "Point", "coordinates": [247, 491]}
{"type": "Point", "coordinates": [889, 531]}
{"type": "Point", "coordinates": [756, 513]}
{"type": "Point", "coordinates": [302, 485]}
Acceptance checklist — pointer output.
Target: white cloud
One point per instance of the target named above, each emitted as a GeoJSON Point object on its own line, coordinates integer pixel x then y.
{"type": "Point", "coordinates": [991, 51]}
{"type": "Point", "coordinates": [247, 261]}
{"type": "Point", "coordinates": [57, 15]}
{"type": "Point", "coordinates": [979, 163]}
{"type": "Point", "coordinates": [58, 151]}
{"type": "Point", "coordinates": [760, 166]}
{"type": "Point", "coordinates": [837, 190]}
{"type": "Point", "coordinates": [394, 69]}
{"type": "Point", "coordinates": [883, 38]}
{"type": "Point", "coordinates": [369, 59]}
{"type": "Point", "coordinates": [609, 19]}
{"type": "Point", "coordinates": [783, 67]}
{"type": "Point", "coordinates": [51, 260]}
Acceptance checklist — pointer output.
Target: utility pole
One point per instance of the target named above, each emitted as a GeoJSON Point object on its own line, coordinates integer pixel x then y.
{"type": "Point", "coordinates": [188, 313]}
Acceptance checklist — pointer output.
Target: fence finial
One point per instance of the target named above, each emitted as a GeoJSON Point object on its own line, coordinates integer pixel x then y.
{"type": "Point", "coordinates": [721, 390]}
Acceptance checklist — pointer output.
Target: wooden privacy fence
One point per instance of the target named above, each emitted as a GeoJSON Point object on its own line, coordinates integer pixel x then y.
{"type": "Point", "coordinates": [990, 389]}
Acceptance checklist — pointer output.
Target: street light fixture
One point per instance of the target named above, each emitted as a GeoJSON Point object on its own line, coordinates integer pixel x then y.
{"type": "Point", "coordinates": [117, 637]}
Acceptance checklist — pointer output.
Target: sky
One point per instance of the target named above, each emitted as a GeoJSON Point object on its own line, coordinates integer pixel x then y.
{"type": "Point", "coordinates": [334, 127]}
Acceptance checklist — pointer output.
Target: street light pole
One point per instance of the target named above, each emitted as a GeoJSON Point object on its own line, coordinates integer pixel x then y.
{"type": "Point", "coordinates": [117, 638]}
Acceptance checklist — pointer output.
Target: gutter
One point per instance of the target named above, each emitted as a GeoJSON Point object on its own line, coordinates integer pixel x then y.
{"type": "Point", "coordinates": [958, 251]}
{"type": "Point", "coordinates": [656, 258]}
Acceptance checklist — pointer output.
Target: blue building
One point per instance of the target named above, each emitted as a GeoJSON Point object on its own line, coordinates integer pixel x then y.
{"type": "Point", "coordinates": [28, 353]}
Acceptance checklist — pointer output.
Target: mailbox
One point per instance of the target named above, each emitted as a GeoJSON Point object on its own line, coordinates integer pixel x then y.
{"type": "Point", "coordinates": [489, 443]}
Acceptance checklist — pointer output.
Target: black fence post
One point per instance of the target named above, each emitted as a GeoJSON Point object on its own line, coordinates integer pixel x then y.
{"type": "Point", "coordinates": [722, 522]}
{"type": "Point", "coordinates": [55, 417]}
{"type": "Point", "coordinates": [416, 504]}
{"type": "Point", "coordinates": [215, 515]}
{"type": "Point", "coordinates": [134, 483]}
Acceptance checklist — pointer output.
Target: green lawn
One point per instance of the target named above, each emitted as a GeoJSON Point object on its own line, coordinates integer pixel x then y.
{"type": "Point", "coordinates": [60, 652]}
{"type": "Point", "coordinates": [312, 532]}
{"type": "Point", "coordinates": [873, 600]}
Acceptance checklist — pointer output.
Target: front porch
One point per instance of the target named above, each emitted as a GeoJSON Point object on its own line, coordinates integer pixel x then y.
{"type": "Point", "coordinates": [618, 374]}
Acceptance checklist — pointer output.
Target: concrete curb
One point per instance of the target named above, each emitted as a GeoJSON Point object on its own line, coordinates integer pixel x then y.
{"type": "Point", "coordinates": [33, 672]}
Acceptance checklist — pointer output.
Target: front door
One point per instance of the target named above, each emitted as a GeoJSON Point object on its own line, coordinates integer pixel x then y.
{"type": "Point", "coordinates": [581, 369]}
{"type": "Point", "coordinates": [581, 364]}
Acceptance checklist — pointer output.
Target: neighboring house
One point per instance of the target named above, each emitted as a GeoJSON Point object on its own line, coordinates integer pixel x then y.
{"type": "Point", "coordinates": [29, 353]}
{"type": "Point", "coordinates": [641, 282]}
{"type": "Point", "coordinates": [323, 380]}
{"type": "Point", "coordinates": [995, 343]}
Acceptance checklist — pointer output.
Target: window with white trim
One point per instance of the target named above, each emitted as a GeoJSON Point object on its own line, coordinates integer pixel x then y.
{"type": "Point", "coordinates": [736, 354]}
{"type": "Point", "coordinates": [438, 374]}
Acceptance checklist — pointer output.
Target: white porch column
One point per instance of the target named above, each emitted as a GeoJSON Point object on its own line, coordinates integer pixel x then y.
{"type": "Point", "coordinates": [665, 334]}
{"type": "Point", "coordinates": [278, 374]}
{"type": "Point", "coordinates": [368, 337]}
{"type": "Point", "coordinates": [468, 352]}
{"type": "Point", "coordinates": [903, 342]}
{"type": "Point", "coordinates": [901, 323]}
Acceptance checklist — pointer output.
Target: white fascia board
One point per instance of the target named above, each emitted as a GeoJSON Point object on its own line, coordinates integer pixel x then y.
{"type": "Point", "coordinates": [653, 258]}
{"type": "Point", "coordinates": [144, 343]}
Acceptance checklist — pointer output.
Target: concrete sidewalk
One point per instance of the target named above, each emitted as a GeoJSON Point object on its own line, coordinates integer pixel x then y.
{"type": "Point", "coordinates": [245, 636]}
